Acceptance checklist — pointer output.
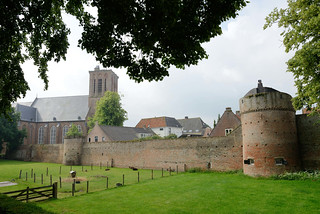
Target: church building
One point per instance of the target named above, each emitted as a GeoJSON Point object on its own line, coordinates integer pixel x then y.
{"type": "Point", "coordinates": [47, 120]}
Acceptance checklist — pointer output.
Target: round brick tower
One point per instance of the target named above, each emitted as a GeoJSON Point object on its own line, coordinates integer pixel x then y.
{"type": "Point", "coordinates": [270, 143]}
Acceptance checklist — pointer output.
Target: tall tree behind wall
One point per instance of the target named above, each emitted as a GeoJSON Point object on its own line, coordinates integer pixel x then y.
{"type": "Point", "coordinates": [109, 111]}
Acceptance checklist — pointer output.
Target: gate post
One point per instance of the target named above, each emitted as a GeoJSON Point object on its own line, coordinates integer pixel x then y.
{"type": "Point", "coordinates": [55, 190]}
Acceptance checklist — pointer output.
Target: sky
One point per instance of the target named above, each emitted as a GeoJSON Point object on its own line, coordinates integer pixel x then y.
{"type": "Point", "coordinates": [242, 55]}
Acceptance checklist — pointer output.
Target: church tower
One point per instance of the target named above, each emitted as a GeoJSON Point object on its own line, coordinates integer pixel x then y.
{"type": "Point", "coordinates": [100, 82]}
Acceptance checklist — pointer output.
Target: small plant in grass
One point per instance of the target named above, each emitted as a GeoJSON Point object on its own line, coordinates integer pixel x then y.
{"type": "Point", "coordinates": [303, 175]}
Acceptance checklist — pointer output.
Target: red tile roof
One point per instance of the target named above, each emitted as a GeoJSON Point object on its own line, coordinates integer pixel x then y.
{"type": "Point", "coordinates": [158, 122]}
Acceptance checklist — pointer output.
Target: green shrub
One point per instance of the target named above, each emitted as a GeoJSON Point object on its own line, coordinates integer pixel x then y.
{"type": "Point", "coordinates": [171, 136]}
{"type": "Point", "coordinates": [302, 175]}
{"type": "Point", "coordinates": [9, 205]}
{"type": "Point", "coordinates": [195, 169]}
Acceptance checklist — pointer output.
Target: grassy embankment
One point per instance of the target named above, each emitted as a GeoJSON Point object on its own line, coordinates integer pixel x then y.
{"type": "Point", "coordinates": [191, 193]}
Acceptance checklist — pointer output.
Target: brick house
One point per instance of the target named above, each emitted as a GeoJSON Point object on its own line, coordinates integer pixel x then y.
{"type": "Point", "coordinates": [227, 123]}
{"type": "Point", "coordinates": [162, 126]}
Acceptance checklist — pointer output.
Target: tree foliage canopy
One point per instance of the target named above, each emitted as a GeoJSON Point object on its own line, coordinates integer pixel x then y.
{"type": "Point", "coordinates": [144, 36]}
{"type": "Point", "coordinates": [301, 23]}
{"type": "Point", "coordinates": [9, 131]}
{"type": "Point", "coordinates": [73, 132]}
{"type": "Point", "coordinates": [109, 111]}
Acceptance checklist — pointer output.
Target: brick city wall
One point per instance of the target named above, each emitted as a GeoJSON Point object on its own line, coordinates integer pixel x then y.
{"type": "Point", "coordinates": [52, 153]}
{"type": "Point", "coordinates": [223, 153]}
{"type": "Point", "coordinates": [220, 153]}
{"type": "Point", "coordinates": [309, 141]}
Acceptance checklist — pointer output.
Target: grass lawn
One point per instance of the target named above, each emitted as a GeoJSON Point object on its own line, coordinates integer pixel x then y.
{"type": "Point", "coordinates": [97, 176]}
{"type": "Point", "coordinates": [189, 193]}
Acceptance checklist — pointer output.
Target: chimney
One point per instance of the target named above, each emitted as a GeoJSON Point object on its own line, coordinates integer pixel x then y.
{"type": "Point", "coordinates": [260, 84]}
{"type": "Point", "coordinates": [228, 109]}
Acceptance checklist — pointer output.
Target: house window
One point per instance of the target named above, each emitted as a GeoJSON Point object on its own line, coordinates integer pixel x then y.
{"type": "Point", "coordinates": [161, 129]}
{"type": "Point", "coordinates": [96, 138]}
{"type": "Point", "coordinates": [64, 131]}
{"type": "Point", "coordinates": [103, 139]}
{"type": "Point", "coordinates": [228, 131]}
{"type": "Point", "coordinates": [79, 128]}
{"type": "Point", "coordinates": [105, 84]}
{"type": "Point", "coordinates": [280, 161]}
{"type": "Point", "coordinates": [40, 135]}
{"type": "Point", "coordinates": [169, 130]}
{"type": "Point", "coordinates": [99, 86]}
{"type": "Point", "coordinates": [89, 139]}
{"type": "Point", "coordinates": [53, 131]}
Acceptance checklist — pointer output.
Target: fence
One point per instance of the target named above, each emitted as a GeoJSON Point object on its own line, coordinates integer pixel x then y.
{"type": "Point", "coordinates": [35, 194]}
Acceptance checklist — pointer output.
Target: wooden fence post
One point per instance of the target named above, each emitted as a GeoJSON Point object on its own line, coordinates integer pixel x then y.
{"type": "Point", "coordinates": [41, 178]}
{"type": "Point", "coordinates": [73, 188]}
{"type": "Point", "coordinates": [107, 182]}
{"type": "Point", "coordinates": [177, 169]}
{"type": "Point", "coordinates": [60, 181]}
{"type": "Point", "coordinates": [87, 186]}
{"type": "Point", "coordinates": [47, 171]}
{"type": "Point", "coordinates": [20, 174]}
{"type": "Point", "coordinates": [185, 167]}
{"type": "Point", "coordinates": [50, 179]}
{"type": "Point", "coordinates": [151, 174]}
{"type": "Point", "coordinates": [27, 199]}
{"type": "Point", "coordinates": [138, 177]}
{"type": "Point", "coordinates": [123, 180]}
{"type": "Point", "coordinates": [34, 177]}
{"type": "Point", "coordinates": [55, 190]}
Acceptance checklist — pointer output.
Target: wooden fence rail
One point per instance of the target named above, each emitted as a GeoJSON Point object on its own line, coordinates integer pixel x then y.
{"type": "Point", "coordinates": [35, 194]}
